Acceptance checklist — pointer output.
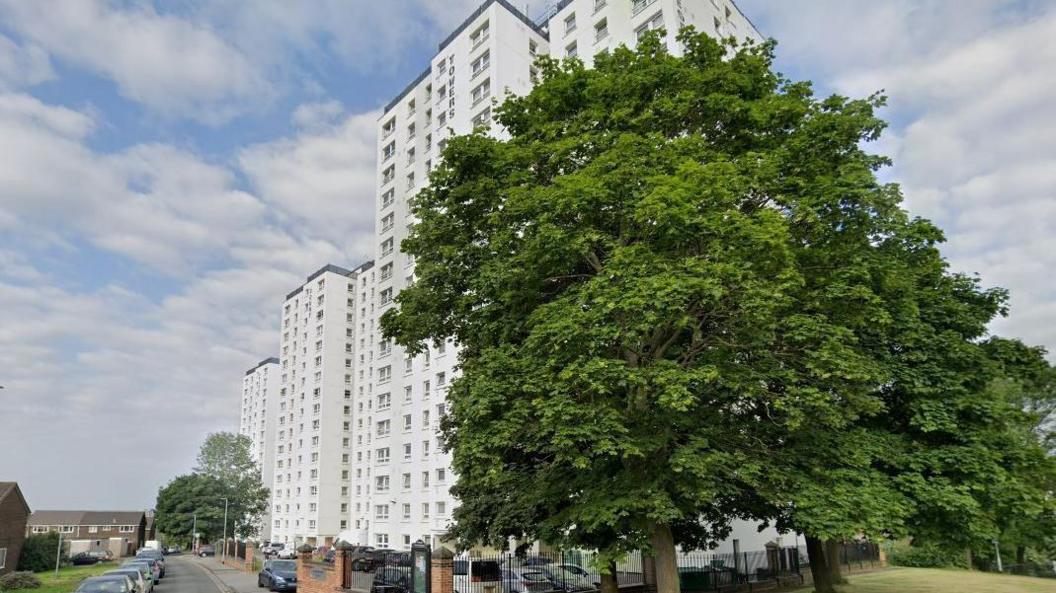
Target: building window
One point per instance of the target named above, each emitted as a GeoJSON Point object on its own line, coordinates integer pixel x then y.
{"type": "Point", "coordinates": [381, 484]}
{"type": "Point", "coordinates": [384, 374]}
{"type": "Point", "coordinates": [406, 481]}
{"type": "Point", "coordinates": [406, 510]}
{"type": "Point", "coordinates": [388, 198]}
{"type": "Point", "coordinates": [655, 22]}
{"type": "Point", "coordinates": [124, 529]}
{"type": "Point", "coordinates": [639, 5]}
{"type": "Point", "coordinates": [483, 118]}
{"type": "Point", "coordinates": [381, 539]}
{"type": "Point", "coordinates": [571, 50]}
{"type": "Point", "coordinates": [480, 35]}
{"type": "Point", "coordinates": [384, 401]}
{"type": "Point", "coordinates": [425, 510]}
{"type": "Point", "coordinates": [441, 508]}
{"type": "Point", "coordinates": [388, 221]}
{"type": "Point", "coordinates": [441, 475]}
{"type": "Point", "coordinates": [570, 23]}
{"type": "Point", "coordinates": [382, 455]}
{"type": "Point", "coordinates": [386, 246]}
{"type": "Point", "coordinates": [389, 151]}
{"type": "Point", "coordinates": [383, 428]}
{"type": "Point", "coordinates": [601, 30]}
{"type": "Point", "coordinates": [381, 511]}
{"type": "Point", "coordinates": [481, 63]}
{"type": "Point", "coordinates": [599, 4]}
{"type": "Point", "coordinates": [386, 297]}
{"type": "Point", "coordinates": [406, 450]}
{"type": "Point", "coordinates": [481, 91]}
{"type": "Point", "coordinates": [425, 479]}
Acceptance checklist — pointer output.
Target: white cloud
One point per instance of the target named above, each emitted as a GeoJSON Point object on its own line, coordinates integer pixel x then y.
{"type": "Point", "coordinates": [172, 65]}
{"type": "Point", "coordinates": [974, 134]}
{"type": "Point", "coordinates": [22, 65]}
{"type": "Point", "coordinates": [322, 180]}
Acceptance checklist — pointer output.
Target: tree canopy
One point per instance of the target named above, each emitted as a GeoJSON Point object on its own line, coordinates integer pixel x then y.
{"type": "Point", "coordinates": [683, 296]}
{"type": "Point", "coordinates": [225, 470]}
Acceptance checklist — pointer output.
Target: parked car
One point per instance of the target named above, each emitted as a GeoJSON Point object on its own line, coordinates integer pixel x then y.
{"type": "Point", "coordinates": [391, 579]}
{"type": "Point", "coordinates": [287, 554]}
{"type": "Point", "coordinates": [102, 555]}
{"type": "Point", "coordinates": [476, 576]}
{"type": "Point", "coordinates": [156, 565]}
{"type": "Point", "coordinates": [369, 559]}
{"type": "Point", "coordinates": [83, 559]}
{"type": "Point", "coordinates": [173, 550]}
{"type": "Point", "coordinates": [525, 579]}
{"type": "Point", "coordinates": [105, 584]}
{"type": "Point", "coordinates": [564, 580]}
{"type": "Point", "coordinates": [272, 549]}
{"type": "Point", "coordinates": [157, 556]}
{"type": "Point", "coordinates": [206, 551]}
{"type": "Point", "coordinates": [578, 570]}
{"type": "Point", "coordinates": [152, 568]}
{"type": "Point", "coordinates": [278, 575]}
{"type": "Point", "coordinates": [144, 571]}
{"type": "Point", "coordinates": [140, 584]}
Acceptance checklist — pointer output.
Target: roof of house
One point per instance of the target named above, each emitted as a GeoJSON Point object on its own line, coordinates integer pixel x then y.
{"type": "Point", "coordinates": [10, 489]}
{"type": "Point", "coordinates": [86, 517]}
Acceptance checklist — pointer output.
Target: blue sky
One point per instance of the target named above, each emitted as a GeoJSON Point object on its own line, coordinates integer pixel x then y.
{"type": "Point", "coordinates": [170, 170]}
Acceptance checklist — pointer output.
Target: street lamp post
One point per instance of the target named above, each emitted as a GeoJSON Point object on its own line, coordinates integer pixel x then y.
{"type": "Point", "coordinates": [223, 558]}
{"type": "Point", "coordinates": [194, 534]}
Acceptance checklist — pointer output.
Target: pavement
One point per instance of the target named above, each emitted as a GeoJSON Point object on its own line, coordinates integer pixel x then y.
{"type": "Point", "coordinates": [190, 574]}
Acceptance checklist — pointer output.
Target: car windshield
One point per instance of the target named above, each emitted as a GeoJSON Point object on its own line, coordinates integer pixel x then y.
{"type": "Point", "coordinates": [284, 565]}
{"type": "Point", "coordinates": [103, 586]}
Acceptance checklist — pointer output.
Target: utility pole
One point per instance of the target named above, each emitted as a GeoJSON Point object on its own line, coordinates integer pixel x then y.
{"type": "Point", "coordinates": [997, 548]}
{"type": "Point", "coordinates": [58, 554]}
{"type": "Point", "coordinates": [194, 534]}
{"type": "Point", "coordinates": [224, 557]}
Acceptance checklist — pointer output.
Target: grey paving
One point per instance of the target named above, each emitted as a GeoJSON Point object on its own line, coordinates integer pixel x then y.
{"type": "Point", "coordinates": [184, 575]}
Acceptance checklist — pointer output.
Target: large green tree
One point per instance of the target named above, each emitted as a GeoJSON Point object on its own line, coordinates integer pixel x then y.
{"type": "Point", "coordinates": [225, 470]}
{"type": "Point", "coordinates": [682, 296]}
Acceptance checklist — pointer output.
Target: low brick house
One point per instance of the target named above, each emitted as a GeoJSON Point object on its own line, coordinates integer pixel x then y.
{"type": "Point", "coordinates": [14, 513]}
{"type": "Point", "coordinates": [121, 532]}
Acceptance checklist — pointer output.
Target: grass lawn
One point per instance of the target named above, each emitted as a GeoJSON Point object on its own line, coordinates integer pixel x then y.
{"type": "Point", "coordinates": [931, 580]}
{"type": "Point", "coordinates": [69, 577]}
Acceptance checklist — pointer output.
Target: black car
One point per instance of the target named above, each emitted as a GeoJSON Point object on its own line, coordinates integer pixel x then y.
{"type": "Point", "coordinates": [391, 579]}
{"type": "Point", "coordinates": [206, 551]}
{"type": "Point", "coordinates": [83, 559]}
{"type": "Point", "coordinates": [278, 575]}
{"type": "Point", "coordinates": [369, 559]}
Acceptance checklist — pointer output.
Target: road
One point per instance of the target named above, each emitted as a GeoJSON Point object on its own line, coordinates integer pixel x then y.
{"type": "Point", "coordinates": [185, 574]}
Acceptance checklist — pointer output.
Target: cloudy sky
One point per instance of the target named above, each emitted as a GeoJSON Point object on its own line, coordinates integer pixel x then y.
{"type": "Point", "coordinates": [169, 170]}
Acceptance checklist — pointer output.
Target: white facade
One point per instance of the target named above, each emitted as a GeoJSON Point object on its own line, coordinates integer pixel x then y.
{"type": "Point", "coordinates": [259, 413]}
{"type": "Point", "coordinates": [313, 442]}
{"type": "Point", "coordinates": [402, 477]}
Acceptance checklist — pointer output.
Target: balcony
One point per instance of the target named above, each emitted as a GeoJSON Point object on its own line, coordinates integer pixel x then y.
{"type": "Point", "coordinates": [640, 5]}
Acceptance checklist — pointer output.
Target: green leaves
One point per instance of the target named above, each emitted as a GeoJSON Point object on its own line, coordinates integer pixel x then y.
{"type": "Point", "coordinates": [682, 295]}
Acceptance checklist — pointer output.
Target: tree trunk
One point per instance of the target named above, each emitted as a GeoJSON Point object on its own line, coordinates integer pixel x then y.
{"type": "Point", "coordinates": [609, 584]}
{"type": "Point", "coordinates": [832, 558]}
{"type": "Point", "coordinates": [819, 568]}
{"type": "Point", "coordinates": [1021, 555]}
{"type": "Point", "coordinates": [663, 543]}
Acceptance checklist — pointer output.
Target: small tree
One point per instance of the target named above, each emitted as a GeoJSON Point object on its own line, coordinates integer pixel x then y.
{"type": "Point", "coordinates": [38, 553]}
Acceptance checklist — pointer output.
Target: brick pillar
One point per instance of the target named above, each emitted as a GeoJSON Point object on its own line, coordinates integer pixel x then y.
{"type": "Point", "coordinates": [304, 557]}
{"type": "Point", "coordinates": [250, 549]}
{"type": "Point", "coordinates": [442, 570]}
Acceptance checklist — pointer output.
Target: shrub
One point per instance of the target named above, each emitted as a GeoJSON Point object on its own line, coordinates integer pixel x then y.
{"type": "Point", "coordinates": [927, 556]}
{"type": "Point", "coordinates": [19, 580]}
{"type": "Point", "coordinates": [38, 553]}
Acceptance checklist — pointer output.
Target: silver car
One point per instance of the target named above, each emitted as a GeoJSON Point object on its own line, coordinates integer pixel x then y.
{"type": "Point", "coordinates": [140, 584]}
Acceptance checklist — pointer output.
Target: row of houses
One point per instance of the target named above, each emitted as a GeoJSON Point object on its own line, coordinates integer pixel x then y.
{"type": "Point", "coordinates": [119, 532]}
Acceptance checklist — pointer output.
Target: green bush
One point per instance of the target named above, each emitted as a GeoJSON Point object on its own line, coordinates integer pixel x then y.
{"type": "Point", "coordinates": [19, 580]}
{"type": "Point", "coordinates": [927, 556]}
{"type": "Point", "coordinates": [38, 553]}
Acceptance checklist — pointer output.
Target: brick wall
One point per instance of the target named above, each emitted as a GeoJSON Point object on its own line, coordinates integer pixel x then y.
{"type": "Point", "coordinates": [319, 577]}
{"type": "Point", "coordinates": [13, 518]}
{"type": "Point", "coordinates": [442, 578]}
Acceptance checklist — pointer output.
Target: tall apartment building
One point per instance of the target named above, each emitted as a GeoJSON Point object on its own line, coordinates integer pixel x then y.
{"type": "Point", "coordinates": [259, 413]}
{"type": "Point", "coordinates": [318, 376]}
{"type": "Point", "coordinates": [402, 491]}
